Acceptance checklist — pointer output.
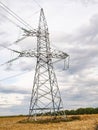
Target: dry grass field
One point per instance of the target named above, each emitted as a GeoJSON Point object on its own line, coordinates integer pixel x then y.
{"type": "Point", "coordinates": [85, 122]}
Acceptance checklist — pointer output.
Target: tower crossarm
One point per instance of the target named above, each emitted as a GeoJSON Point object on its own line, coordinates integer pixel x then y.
{"type": "Point", "coordinates": [29, 32]}
{"type": "Point", "coordinates": [59, 54]}
{"type": "Point", "coordinates": [55, 54]}
{"type": "Point", "coordinates": [28, 53]}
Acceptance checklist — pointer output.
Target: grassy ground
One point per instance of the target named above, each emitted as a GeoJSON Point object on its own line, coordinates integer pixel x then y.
{"type": "Point", "coordinates": [82, 122]}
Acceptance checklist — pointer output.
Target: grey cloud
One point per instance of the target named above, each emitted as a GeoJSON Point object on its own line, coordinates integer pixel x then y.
{"type": "Point", "coordinates": [2, 33]}
{"type": "Point", "coordinates": [13, 109]}
{"type": "Point", "coordinates": [22, 66]}
{"type": "Point", "coordinates": [2, 15]}
{"type": "Point", "coordinates": [23, 108]}
{"type": "Point", "coordinates": [85, 35]}
{"type": "Point", "coordinates": [83, 52]}
{"type": "Point", "coordinates": [12, 89]}
{"type": "Point", "coordinates": [27, 64]}
{"type": "Point", "coordinates": [83, 96]}
{"type": "Point", "coordinates": [87, 58]}
{"type": "Point", "coordinates": [84, 2]}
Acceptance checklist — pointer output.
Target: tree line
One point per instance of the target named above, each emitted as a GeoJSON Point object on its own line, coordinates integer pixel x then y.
{"type": "Point", "coordinates": [78, 111]}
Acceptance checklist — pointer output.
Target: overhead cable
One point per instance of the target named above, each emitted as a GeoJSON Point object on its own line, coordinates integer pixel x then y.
{"type": "Point", "coordinates": [10, 49]}
{"type": "Point", "coordinates": [10, 61]}
{"type": "Point", "coordinates": [37, 3]}
{"type": "Point", "coordinates": [10, 77]}
{"type": "Point", "coordinates": [14, 22]}
{"type": "Point", "coordinates": [8, 10]}
{"type": "Point", "coordinates": [18, 40]}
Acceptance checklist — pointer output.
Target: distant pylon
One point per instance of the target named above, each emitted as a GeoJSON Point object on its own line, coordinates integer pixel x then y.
{"type": "Point", "coordinates": [45, 93]}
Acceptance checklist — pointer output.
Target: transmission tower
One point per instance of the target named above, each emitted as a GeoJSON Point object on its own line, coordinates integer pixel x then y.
{"type": "Point", "coordinates": [45, 92]}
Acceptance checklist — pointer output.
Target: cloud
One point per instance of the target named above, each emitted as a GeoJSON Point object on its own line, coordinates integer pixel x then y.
{"type": "Point", "coordinates": [84, 2]}
{"type": "Point", "coordinates": [80, 85]}
{"type": "Point", "coordinates": [14, 104]}
{"type": "Point", "coordinates": [12, 89]}
{"type": "Point", "coordinates": [8, 100]}
{"type": "Point", "coordinates": [81, 94]}
{"type": "Point", "coordinates": [82, 45]}
{"type": "Point", "coordinates": [2, 15]}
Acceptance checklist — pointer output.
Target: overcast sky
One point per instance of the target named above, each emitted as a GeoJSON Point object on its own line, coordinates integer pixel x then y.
{"type": "Point", "coordinates": [73, 28]}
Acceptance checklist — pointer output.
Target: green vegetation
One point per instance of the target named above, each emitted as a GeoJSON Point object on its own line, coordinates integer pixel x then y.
{"type": "Point", "coordinates": [78, 111]}
{"type": "Point", "coordinates": [82, 111]}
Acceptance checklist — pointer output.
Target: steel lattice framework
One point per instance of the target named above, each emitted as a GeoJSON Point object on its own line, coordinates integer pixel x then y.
{"type": "Point", "coordinates": [45, 93]}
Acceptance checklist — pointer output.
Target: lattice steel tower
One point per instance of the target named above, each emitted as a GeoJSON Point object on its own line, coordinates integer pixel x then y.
{"type": "Point", "coordinates": [45, 93]}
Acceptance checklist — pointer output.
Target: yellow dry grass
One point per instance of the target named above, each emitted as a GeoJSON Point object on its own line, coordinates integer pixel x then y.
{"type": "Point", "coordinates": [86, 122]}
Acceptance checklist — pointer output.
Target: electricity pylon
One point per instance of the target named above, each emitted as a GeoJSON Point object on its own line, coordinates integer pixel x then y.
{"type": "Point", "coordinates": [45, 93]}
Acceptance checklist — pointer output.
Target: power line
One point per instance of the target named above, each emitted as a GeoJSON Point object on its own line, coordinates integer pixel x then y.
{"type": "Point", "coordinates": [10, 61]}
{"type": "Point", "coordinates": [37, 3]}
{"type": "Point", "coordinates": [11, 49]}
{"type": "Point", "coordinates": [36, 12]}
{"type": "Point", "coordinates": [8, 10]}
{"type": "Point", "coordinates": [15, 42]}
{"type": "Point", "coordinates": [13, 16]}
{"type": "Point", "coordinates": [10, 77]}
{"type": "Point", "coordinates": [14, 13]}
{"type": "Point", "coordinates": [13, 22]}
